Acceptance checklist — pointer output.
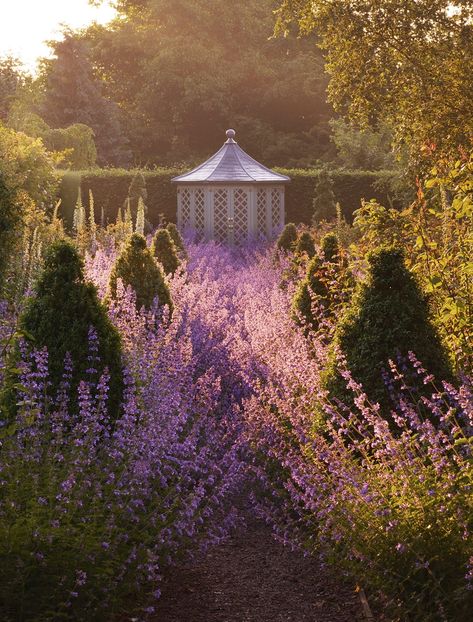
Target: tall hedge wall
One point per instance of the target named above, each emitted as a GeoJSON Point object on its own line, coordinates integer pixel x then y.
{"type": "Point", "coordinates": [110, 189]}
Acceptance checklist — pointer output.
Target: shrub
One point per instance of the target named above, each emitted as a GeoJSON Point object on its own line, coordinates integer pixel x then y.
{"type": "Point", "coordinates": [137, 268]}
{"type": "Point", "coordinates": [60, 316]}
{"type": "Point", "coordinates": [10, 222]}
{"type": "Point", "coordinates": [323, 203]}
{"type": "Point", "coordinates": [288, 238]}
{"type": "Point", "coordinates": [176, 237]}
{"type": "Point", "coordinates": [110, 188]}
{"type": "Point", "coordinates": [164, 250]}
{"type": "Point", "coordinates": [323, 293]}
{"type": "Point", "coordinates": [305, 244]}
{"type": "Point", "coordinates": [388, 317]}
{"type": "Point", "coordinates": [330, 247]}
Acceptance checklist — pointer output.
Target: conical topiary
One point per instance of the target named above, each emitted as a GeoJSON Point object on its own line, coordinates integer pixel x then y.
{"type": "Point", "coordinates": [176, 237]}
{"type": "Point", "coordinates": [388, 317]}
{"type": "Point", "coordinates": [137, 268]}
{"type": "Point", "coordinates": [164, 250]}
{"type": "Point", "coordinates": [330, 247]}
{"type": "Point", "coordinates": [305, 244]}
{"type": "Point", "coordinates": [324, 203]}
{"type": "Point", "coordinates": [59, 317]}
{"type": "Point", "coordinates": [288, 238]}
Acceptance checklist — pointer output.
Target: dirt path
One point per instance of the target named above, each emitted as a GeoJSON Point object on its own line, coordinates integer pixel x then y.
{"type": "Point", "coordinates": [252, 578]}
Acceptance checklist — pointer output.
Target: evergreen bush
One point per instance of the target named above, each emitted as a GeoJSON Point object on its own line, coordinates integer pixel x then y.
{"type": "Point", "coordinates": [330, 247]}
{"type": "Point", "coordinates": [137, 268]}
{"type": "Point", "coordinates": [164, 250]}
{"type": "Point", "coordinates": [176, 237]}
{"type": "Point", "coordinates": [59, 317]}
{"type": "Point", "coordinates": [388, 317]}
{"type": "Point", "coordinates": [324, 200]}
{"type": "Point", "coordinates": [288, 238]}
{"type": "Point", "coordinates": [310, 290]}
{"type": "Point", "coordinates": [305, 244]}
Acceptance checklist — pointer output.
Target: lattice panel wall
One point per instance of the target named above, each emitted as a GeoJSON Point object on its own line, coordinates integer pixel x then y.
{"type": "Point", "coordinates": [199, 213]}
{"type": "Point", "coordinates": [240, 215]}
{"type": "Point", "coordinates": [220, 215]}
{"type": "Point", "coordinates": [185, 208]}
{"type": "Point", "coordinates": [261, 213]}
{"type": "Point", "coordinates": [275, 209]}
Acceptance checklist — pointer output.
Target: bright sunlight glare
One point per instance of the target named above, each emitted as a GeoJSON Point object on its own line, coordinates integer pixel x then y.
{"type": "Point", "coordinates": [26, 25]}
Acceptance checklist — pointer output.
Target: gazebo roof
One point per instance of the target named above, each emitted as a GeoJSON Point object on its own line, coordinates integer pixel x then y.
{"type": "Point", "coordinates": [231, 165]}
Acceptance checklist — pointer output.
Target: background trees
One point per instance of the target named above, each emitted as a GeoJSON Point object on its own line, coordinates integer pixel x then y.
{"type": "Point", "coordinates": [184, 71]}
{"type": "Point", "coordinates": [73, 94]}
{"type": "Point", "coordinates": [406, 62]}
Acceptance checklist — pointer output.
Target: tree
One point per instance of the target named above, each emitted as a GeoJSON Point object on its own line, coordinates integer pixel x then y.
{"type": "Point", "coordinates": [77, 144]}
{"type": "Point", "coordinates": [73, 95]}
{"type": "Point", "coordinates": [165, 252]}
{"type": "Point", "coordinates": [288, 238]}
{"type": "Point", "coordinates": [213, 66]}
{"type": "Point", "coordinates": [324, 204]}
{"type": "Point", "coordinates": [388, 317]}
{"type": "Point", "coordinates": [59, 317]}
{"type": "Point", "coordinates": [27, 166]}
{"type": "Point", "coordinates": [137, 268]}
{"type": "Point", "coordinates": [363, 148]}
{"type": "Point", "coordinates": [407, 63]}
{"type": "Point", "coordinates": [11, 78]}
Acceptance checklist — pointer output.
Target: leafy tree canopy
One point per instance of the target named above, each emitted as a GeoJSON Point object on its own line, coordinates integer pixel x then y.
{"type": "Point", "coordinates": [214, 65]}
{"type": "Point", "coordinates": [73, 95]}
{"type": "Point", "coordinates": [407, 62]}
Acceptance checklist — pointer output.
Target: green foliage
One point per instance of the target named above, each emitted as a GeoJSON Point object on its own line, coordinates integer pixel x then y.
{"type": "Point", "coordinates": [11, 78]}
{"type": "Point", "coordinates": [110, 188]}
{"type": "Point", "coordinates": [10, 223]}
{"type": "Point", "coordinates": [77, 144]}
{"type": "Point", "coordinates": [407, 63]}
{"type": "Point", "coordinates": [437, 233]}
{"type": "Point", "coordinates": [137, 190]}
{"type": "Point", "coordinates": [322, 295]}
{"type": "Point", "coordinates": [305, 244]}
{"type": "Point", "coordinates": [176, 238]}
{"type": "Point", "coordinates": [27, 166]}
{"type": "Point", "coordinates": [365, 149]}
{"type": "Point", "coordinates": [323, 203]}
{"type": "Point", "coordinates": [213, 62]}
{"type": "Point", "coordinates": [140, 217]}
{"type": "Point", "coordinates": [164, 250]}
{"type": "Point", "coordinates": [330, 247]}
{"type": "Point", "coordinates": [137, 268]}
{"type": "Point", "coordinates": [73, 95]}
{"type": "Point", "coordinates": [389, 316]}
{"type": "Point", "coordinates": [59, 317]}
{"type": "Point", "coordinates": [288, 238]}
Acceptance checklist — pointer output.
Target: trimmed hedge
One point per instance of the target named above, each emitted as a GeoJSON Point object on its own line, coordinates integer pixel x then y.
{"type": "Point", "coordinates": [110, 189]}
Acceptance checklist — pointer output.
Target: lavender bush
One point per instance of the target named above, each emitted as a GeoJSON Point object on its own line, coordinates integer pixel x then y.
{"type": "Point", "coordinates": [230, 389]}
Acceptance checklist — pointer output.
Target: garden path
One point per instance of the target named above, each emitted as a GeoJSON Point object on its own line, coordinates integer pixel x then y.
{"type": "Point", "coordinates": [253, 578]}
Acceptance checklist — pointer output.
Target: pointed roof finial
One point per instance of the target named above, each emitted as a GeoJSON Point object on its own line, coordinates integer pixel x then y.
{"type": "Point", "coordinates": [230, 135]}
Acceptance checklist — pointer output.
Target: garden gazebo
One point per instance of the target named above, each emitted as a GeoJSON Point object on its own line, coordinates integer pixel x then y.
{"type": "Point", "coordinates": [231, 197]}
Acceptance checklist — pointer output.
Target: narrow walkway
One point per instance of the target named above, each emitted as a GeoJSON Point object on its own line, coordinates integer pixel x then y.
{"type": "Point", "coordinates": [252, 578]}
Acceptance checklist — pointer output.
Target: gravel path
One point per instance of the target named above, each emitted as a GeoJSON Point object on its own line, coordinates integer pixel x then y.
{"type": "Point", "coordinates": [252, 578]}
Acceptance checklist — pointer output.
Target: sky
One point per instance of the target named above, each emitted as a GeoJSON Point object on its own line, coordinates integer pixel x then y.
{"type": "Point", "coordinates": [26, 24]}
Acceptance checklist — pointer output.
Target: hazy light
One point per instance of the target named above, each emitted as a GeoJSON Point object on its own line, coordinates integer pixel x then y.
{"type": "Point", "coordinates": [26, 24]}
